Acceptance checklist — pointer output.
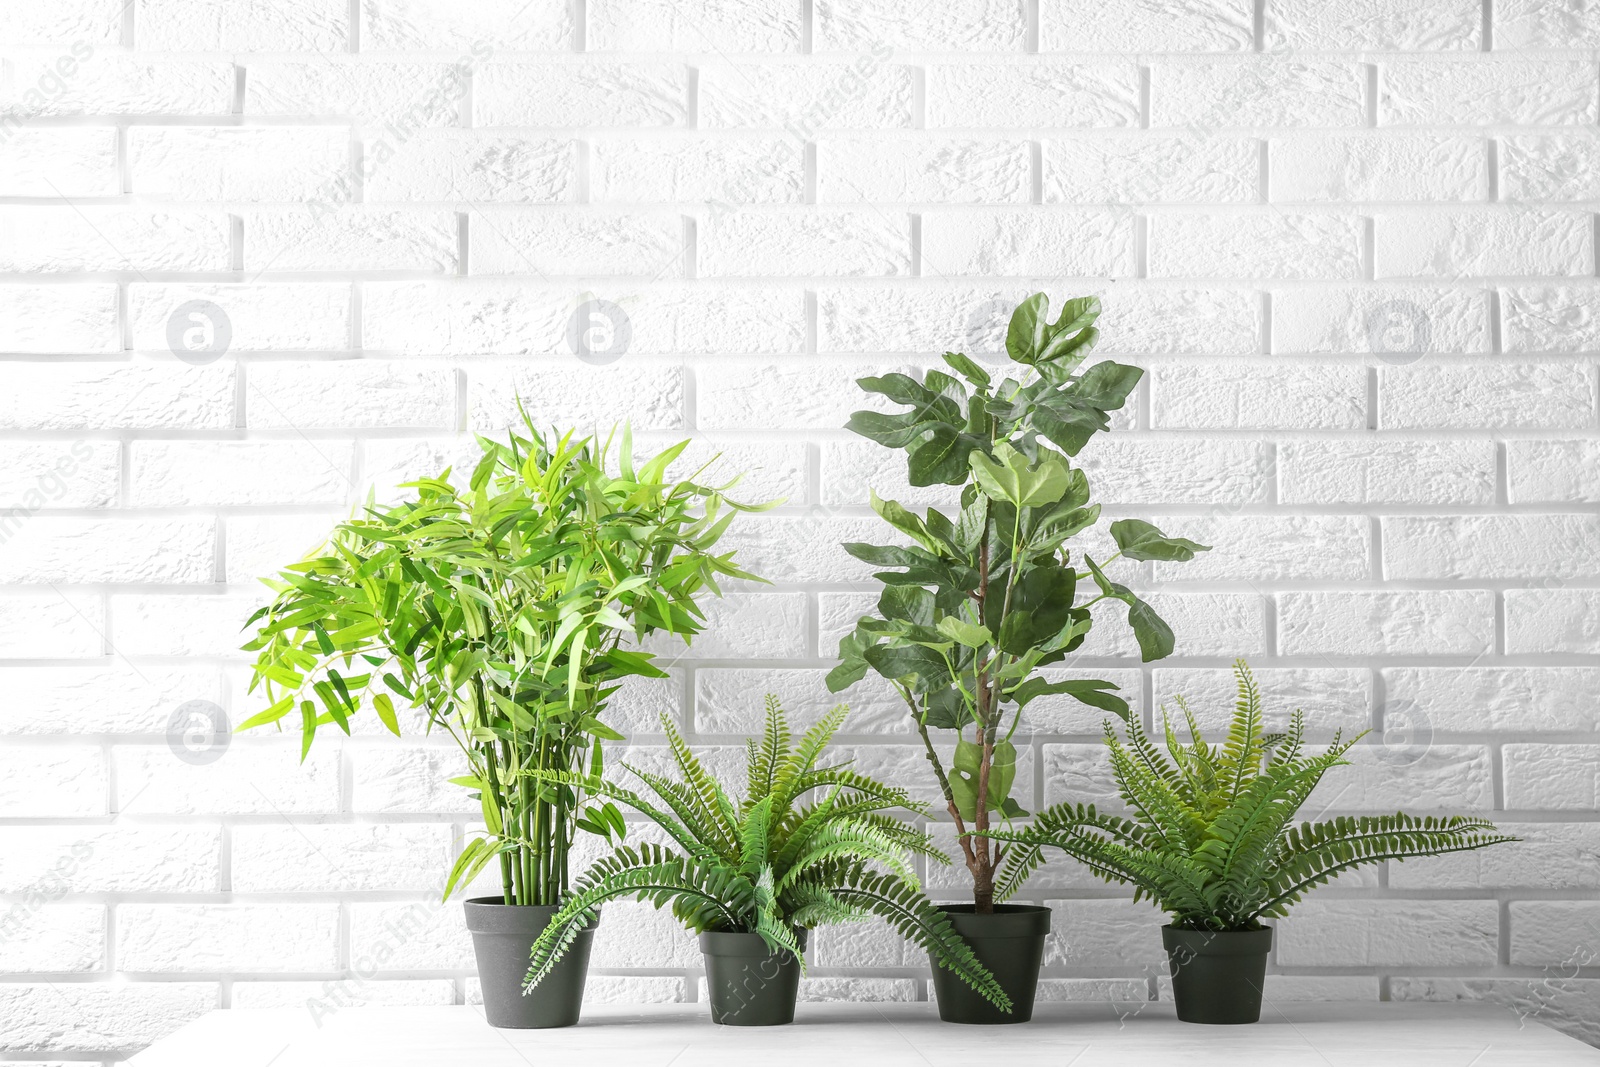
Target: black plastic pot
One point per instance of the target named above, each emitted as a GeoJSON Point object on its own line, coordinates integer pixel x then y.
{"type": "Point", "coordinates": [1010, 943]}
{"type": "Point", "coordinates": [750, 984]}
{"type": "Point", "coordinates": [502, 935]}
{"type": "Point", "coordinates": [1217, 975]}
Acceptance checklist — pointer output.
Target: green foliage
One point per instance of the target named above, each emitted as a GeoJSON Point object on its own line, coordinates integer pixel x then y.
{"type": "Point", "coordinates": [1212, 839]}
{"type": "Point", "coordinates": [507, 612]}
{"type": "Point", "coordinates": [768, 863]}
{"type": "Point", "coordinates": [974, 606]}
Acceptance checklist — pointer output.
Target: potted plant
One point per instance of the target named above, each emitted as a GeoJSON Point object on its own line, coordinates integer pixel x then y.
{"type": "Point", "coordinates": [974, 605]}
{"type": "Point", "coordinates": [507, 613]}
{"type": "Point", "coordinates": [752, 876]}
{"type": "Point", "coordinates": [1213, 842]}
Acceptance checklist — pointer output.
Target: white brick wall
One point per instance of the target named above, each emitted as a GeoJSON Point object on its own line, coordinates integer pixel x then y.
{"type": "Point", "coordinates": [1352, 244]}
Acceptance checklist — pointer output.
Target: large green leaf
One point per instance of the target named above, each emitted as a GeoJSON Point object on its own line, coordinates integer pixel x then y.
{"type": "Point", "coordinates": [1149, 629]}
{"type": "Point", "coordinates": [1140, 540]}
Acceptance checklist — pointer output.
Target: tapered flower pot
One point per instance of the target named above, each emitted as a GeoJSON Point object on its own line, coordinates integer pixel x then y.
{"type": "Point", "coordinates": [502, 936]}
{"type": "Point", "coordinates": [1217, 975]}
{"type": "Point", "coordinates": [1010, 943]}
{"type": "Point", "coordinates": [750, 985]}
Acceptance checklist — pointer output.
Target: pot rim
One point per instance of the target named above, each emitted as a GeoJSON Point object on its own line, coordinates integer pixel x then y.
{"type": "Point", "coordinates": [1218, 942]}
{"type": "Point", "coordinates": [1008, 921]}
{"type": "Point", "coordinates": [744, 943]}
{"type": "Point", "coordinates": [491, 915]}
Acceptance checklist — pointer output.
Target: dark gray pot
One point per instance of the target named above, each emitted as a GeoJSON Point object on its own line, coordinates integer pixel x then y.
{"type": "Point", "coordinates": [1010, 943]}
{"type": "Point", "coordinates": [750, 985]}
{"type": "Point", "coordinates": [502, 936]}
{"type": "Point", "coordinates": [1217, 975]}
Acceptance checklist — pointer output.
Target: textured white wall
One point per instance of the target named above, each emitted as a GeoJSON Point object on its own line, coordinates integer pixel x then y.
{"type": "Point", "coordinates": [1352, 243]}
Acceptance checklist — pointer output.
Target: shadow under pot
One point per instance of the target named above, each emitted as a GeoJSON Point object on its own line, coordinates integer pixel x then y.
{"type": "Point", "coordinates": [750, 985]}
{"type": "Point", "coordinates": [502, 937]}
{"type": "Point", "coordinates": [1010, 943]}
{"type": "Point", "coordinates": [1217, 975]}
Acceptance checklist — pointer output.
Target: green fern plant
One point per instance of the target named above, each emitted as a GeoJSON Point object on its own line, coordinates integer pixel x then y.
{"type": "Point", "coordinates": [770, 862]}
{"type": "Point", "coordinates": [1213, 839]}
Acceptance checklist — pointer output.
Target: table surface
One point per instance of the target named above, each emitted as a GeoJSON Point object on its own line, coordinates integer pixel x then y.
{"type": "Point", "coordinates": [883, 1035]}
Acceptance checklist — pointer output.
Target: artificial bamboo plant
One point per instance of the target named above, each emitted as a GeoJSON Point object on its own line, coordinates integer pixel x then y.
{"type": "Point", "coordinates": [974, 605]}
{"type": "Point", "coordinates": [507, 612]}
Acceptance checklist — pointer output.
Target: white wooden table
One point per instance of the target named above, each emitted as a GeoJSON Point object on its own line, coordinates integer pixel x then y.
{"type": "Point", "coordinates": [879, 1035]}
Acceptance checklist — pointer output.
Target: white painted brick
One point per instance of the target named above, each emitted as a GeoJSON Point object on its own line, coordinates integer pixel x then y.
{"type": "Point", "coordinates": [1374, 25]}
{"type": "Point", "coordinates": [804, 548]}
{"type": "Point", "coordinates": [1270, 245]}
{"type": "Point", "coordinates": [237, 162]}
{"type": "Point", "coordinates": [1089, 990]}
{"type": "Point", "coordinates": [1545, 856]}
{"type": "Point", "coordinates": [865, 93]}
{"type": "Point", "coordinates": [60, 237]}
{"type": "Point", "coordinates": [51, 625]}
{"type": "Point", "coordinates": [1542, 621]}
{"type": "Point", "coordinates": [1367, 933]}
{"type": "Point", "coordinates": [1525, 24]}
{"type": "Point", "coordinates": [1050, 716]}
{"type": "Point", "coordinates": [1176, 470]}
{"type": "Point", "coordinates": [106, 698]}
{"type": "Point", "coordinates": [1145, 26]}
{"type": "Point", "coordinates": [758, 243]}
{"type": "Point", "coordinates": [1255, 397]}
{"type": "Point", "coordinates": [1139, 320]}
{"type": "Point", "coordinates": [241, 26]}
{"type": "Point", "coordinates": [1480, 91]}
{"type": "Point", "coordinates": [340, 993]}
{"type": "Point", "coordinates": [1027, 242]}
{"type": "Point", "coordinates": [1491, 546]}
{"type": "Point", "coordinates": [1381, 167]}
{"type": "Point", "coordinates": [1549, 167]}
{"type": "Point", "coordinates": [1552, 777]}
{"type": "Point", "coordinates": [1205, 94]}
{"type": "Point", "coordinates": [252, 776]}
{"type": "Point", "coordinates": [1393, 321]}
{"type": "Point", "coordinates": [98, 1017]}
{"type": "Point", "coordinates": [499, 25]}
{"type": "Point", "coordinates": [111, 859]}
{"type": "Point", "coordinates": [634, 934]}
{"type": "Point", "coordinates": [581, 92]}
{"type": "Point", "coordinates": [179, 473]}
{"type": "Point", "coordinates": [408, 778]}
{"type": "Point", "coordinates": [719, 27]}
{"type": "Point", "coordinates": [50, 474]}
{"type": "Point", "coordinates": [1146, 168]}
{"type": "Point", "coordinates": [58, 782]}
{"type": "Point", "coordinates": [1205, 624]}
{"type": "Point", "coordinates": [787, 395]}
{"type": "Point", "coordinates": [1559, 933]}
{"type": "Point", "coordinates": [1433, 622]}
{"type": "Point", "coordinates": [1499, 698]}
{"type": "Point", "coordinates": [1550, 318]}
{"type": "Point", "coordinates": [648, 395]}
{"type": "Point", "coordinates": [67, 22]}
{"type": "Point", "coordinates": [956, 26]}
{"type": "Point", "coordinates": [325, 858]}
{"type": "Point", "coordinates": [1329, 470]}
{"type": "Point", "coordinates": [258, 545]}
{"type": "Point", "coordinates": [742, 626]}
{"type": "Point", "coordinates": [1490, 396]}
{"type": "Point", "coordinates": [349, 393]}
{"type": "Point", "coordinates": [1564, 1003]}
{"type": "Point", "coordinates": [469, 165]}
{"type": "Point", "coordinates": [889, 168]}
{"type": "Point", "coordinates": [869, 944]}
{"type": "Point", "coordinates": [79, 319]}
{"type": "Point", "coordinates": [150, 624]}
{"type": "Point", "coordinates": [1036, 94]}
{"type": "Point", "coordinates": [400, 97]}
{"type": "Point", "coordinates": [74, 550]}
{"type": "Point", "coordinates": [60, 161]}
{"type": "Point", "coordinates": [53, 937]}
{"type": "Point", "coordinates": [190, 938]}
{"type": "Point", "coordinates": [1410, 772]}
{"type": "Point", "coordinates": [1553, 471]}
{"type": "Point", "coordinates": [279, 317]}
{"type": "Point", "coordinates": [1271, 548]}
{"type": "Point", "coordinates": [1106, 933]}
{"type": "Point", "coordinates": [857, 990]}
{"type": "Point", "coordinates": [730, 171]}
{"type": "Point", "coordinates": [836, 617]}
{"type": "Point", "coordinates": [1477, 243]}
{"type": "Point", "coordinates": [90, 82]}
{"type": "Point", "coordinates": [330, 236]}
{"type": "Point", "coordinates": [548, 244]}
{"type": "Point", "coordinates": [1332, 698]}
{"type": "Point", "coordinates": [851, 468]}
